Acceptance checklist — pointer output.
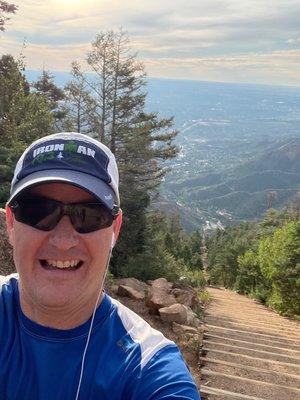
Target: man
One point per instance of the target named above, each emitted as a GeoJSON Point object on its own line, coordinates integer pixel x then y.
{"type": "Point", "coordinates": [61, 336]}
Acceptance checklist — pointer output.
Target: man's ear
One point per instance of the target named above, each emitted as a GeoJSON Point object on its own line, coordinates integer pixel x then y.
{"type": "Point", "coordinates": [117, 227]}
{"type": "Point", "coordinates": [9, 224]}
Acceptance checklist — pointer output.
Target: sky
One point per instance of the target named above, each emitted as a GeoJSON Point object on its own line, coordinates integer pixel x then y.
{"type": "Point", "coordinates": [248, 41]}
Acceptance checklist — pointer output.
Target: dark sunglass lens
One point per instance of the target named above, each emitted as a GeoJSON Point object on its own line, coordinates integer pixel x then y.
{"type": "Point", "coordinates": [39, 213]}
{"type": "Point", "coordinates": [89, 217]}
{"type": "Point", "coordinates": [50, 216]}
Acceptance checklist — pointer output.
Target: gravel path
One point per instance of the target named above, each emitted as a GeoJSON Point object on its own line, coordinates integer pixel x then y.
{"type": "Point", "coordinates": [249, 352]}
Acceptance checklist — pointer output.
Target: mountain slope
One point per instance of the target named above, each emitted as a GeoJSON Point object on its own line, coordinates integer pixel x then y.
{"type": "Point", "coordinates": [245, 192]}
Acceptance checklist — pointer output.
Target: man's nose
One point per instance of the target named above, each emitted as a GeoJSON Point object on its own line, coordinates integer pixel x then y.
{"type": "Point", "coordinates": [64, 236]}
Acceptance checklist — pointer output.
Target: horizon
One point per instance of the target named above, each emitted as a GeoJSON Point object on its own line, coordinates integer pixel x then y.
{"type": "Point", "coordinates": [270, 85]}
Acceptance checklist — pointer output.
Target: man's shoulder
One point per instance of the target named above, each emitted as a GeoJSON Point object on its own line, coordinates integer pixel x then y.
{"type": "Point", "coordinates": [149, 339]}
{"type": "Point", "coordinates": [7, 285]}
{"type": "Point", "coordinates": [7, 279]}
{"type": "Point", "coordinates": [162, 368]}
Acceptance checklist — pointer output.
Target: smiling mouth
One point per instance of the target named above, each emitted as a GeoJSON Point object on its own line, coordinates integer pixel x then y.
{"type": "Point", "coordinates": [68, 265]}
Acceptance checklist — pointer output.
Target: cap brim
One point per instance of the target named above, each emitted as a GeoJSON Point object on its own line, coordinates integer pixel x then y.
{"type": "Point", "coordinates": [91, 184]}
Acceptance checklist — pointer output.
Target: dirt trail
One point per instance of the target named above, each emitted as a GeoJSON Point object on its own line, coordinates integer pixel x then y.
{"type": "Point", "coordinates": [249, 352]}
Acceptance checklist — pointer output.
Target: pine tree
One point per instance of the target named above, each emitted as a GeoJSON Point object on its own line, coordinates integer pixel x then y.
{"type": "Point", "coordinates": [141, 141]}
{"type": "Point", "coordinates": [53, 96]}
{"type": "Point", "coordinates": [24, 117]}
{"type": "Point", "coordinates": [81, 107]}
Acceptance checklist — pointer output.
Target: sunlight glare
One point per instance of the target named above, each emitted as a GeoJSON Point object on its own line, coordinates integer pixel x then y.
{"type": "Point", "coordinates": [70, 2]}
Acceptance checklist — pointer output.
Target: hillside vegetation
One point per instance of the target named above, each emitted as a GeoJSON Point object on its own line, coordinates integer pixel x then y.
{"type": "Point", "coordinates": [261, 259]}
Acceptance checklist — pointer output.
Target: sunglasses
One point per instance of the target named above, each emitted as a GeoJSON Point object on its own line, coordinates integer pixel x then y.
{"type": "Point", "coordinates": [44, 214]}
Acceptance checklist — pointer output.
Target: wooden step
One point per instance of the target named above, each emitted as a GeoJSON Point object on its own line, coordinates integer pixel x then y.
{"type": "Point", "coordinates": [251, 310]}
{"type": "Point", "coordinates": [295, 335]}
{"type": "Point", "coordinates": [292, 378]}
{"type": "Point", "coordinates": [207, 372]}
{"type": "Point", "coordinates": [248, 386]}
{"type": "Point", "coordinates": [260, 353]}
{"type": "Point", "coordinates": [293, 368]}
{"type": "Point", "coordinates": [226, 393]}
{"type": "Point", "coordinates": [245, 332]}
{"type": "Point", "coordinates": [259, 345]}
{"type": "Point", "coordinates": [291, 326]}
{"type": "Point", "coordinates": [252, 339]}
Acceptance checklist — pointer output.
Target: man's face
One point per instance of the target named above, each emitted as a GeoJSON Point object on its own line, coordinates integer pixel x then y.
{"type": "Point", "coordinates": [34, 250]}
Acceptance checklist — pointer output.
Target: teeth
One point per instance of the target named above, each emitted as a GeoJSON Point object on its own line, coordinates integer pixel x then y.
{"type": "Point", "coordinates": [62, 264]}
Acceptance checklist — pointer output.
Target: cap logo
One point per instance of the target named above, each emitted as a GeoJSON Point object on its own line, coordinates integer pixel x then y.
{"type": "Point", "coordinates": [71, 147]}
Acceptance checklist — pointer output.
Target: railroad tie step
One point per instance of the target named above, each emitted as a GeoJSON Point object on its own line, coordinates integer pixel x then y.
{"type": "Point", "coordinates": [208, 372]}
{"type": "Point", "coordinates": [246, 386]}
{"type": "Point", "coordinates": [215, 338]}
{"type": "Point", "coordinates": [226, 393]}
{"type": "Point", "coordinates": [208, 327]}
{"type": "Point", "coordinates": [234, 348]}
{"type": "Point", "coordinates": [226, 356]}
{"type": "Point", "coordinates": [245, 370]}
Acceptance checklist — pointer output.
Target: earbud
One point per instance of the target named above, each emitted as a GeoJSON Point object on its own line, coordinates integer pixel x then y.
{"type": "Point", "coordinates": [112, 240]}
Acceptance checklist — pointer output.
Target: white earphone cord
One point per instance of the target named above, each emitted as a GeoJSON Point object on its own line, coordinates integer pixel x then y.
{"type": "Point", "coordinates": [91, 325]}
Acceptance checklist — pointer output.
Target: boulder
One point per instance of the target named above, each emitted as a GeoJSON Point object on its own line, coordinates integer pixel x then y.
{"type": "Point", "coordinates": [7, 266]}
{"type": "Point", "coordinates": [134, 284]}
{"type": "Point", "coordinates": [192, 318]}
{"type": "Point", "coordinates": [159, 295]}
{"type": "Point", "coordinates": [161, 283]}
{"type": "Point", "coordinates": [128, 291]}
{"type": "Point", "coordinates": [186, 297]}
{"type": "Point", "coordinates": [174, 313]}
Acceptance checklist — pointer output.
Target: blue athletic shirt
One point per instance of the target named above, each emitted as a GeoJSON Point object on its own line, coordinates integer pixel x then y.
{"type": "Point", "coordinates": [126, 358]}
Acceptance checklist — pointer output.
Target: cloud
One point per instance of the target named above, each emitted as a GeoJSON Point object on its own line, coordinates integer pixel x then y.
{"type": "Point", "coordinates": [192, 33]}
{"type": "Point", "coordinates": [255, 67]}
{"type": "Point", "coordinates": [294, 40]}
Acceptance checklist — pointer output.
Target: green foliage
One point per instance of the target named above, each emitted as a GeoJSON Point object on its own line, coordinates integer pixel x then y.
{"type": "Point", "coordinates": [52, 95]}
{"type": "Point", "coordinates": [192, 277]}
{"type": "Point", "coordinates": [204, 296]}
{"type": "Point", "coordinates": [153, 265]}
{"type": "Point", "coordinates": [261, 259]}
{"type": "Point", "coordinates": [279, 259]}
{"type": "Point", "coordinates": [24, 117]}
{"type": "Point", "coordinates": [162, 246]}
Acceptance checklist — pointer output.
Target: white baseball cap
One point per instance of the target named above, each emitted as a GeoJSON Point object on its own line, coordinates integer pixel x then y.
{"type": "Point", "coordinates": [69, 157]}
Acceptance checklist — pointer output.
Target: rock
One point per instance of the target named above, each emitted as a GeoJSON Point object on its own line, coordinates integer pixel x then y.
{"type": "Point", "coordinates": [184, 329]}
{"type": "Point", "coordinates": [134, 284]}
{"type": "Point", "coordinates": [161, 283]}
{"type": "Point", "coordinates": [133, 288]}
{"type": "Point", "coordinates": [7, 266]}
{"type": "Point", "coordinates": [130, 292]}
{"type": "Point", "coordinates": [186, 297]}
{"type": "Point", "coordinates": [174, 313]}
{"type": "Point", "coordinates": [159, 297]}
{"type": "Point", "coordinates": [192, 319]}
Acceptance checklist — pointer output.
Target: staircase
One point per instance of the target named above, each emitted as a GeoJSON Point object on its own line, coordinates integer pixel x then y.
{"type": "Point", "coordinates": [249, 352]}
